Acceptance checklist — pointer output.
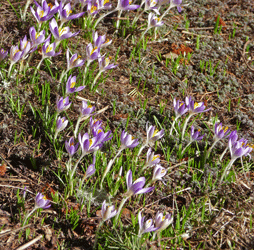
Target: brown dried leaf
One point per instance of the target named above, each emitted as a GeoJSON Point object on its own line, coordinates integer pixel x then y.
{"type": "Point", "coordinates": [3, 169]}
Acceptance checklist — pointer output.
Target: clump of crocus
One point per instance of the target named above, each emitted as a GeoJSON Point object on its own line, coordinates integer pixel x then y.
{"type": "Point", "coordinates": [15, 55]}
{"type": "Point", "coordinates": [63, 104]}
{"type": "Point", "coordinates": [44, 12]}
{"type": "Point", "coordinates": [85, 112]}
{"type": "Point", "coordinates": [219, 133]}
{"type": "Point", "coordinates": [193, 108]}
{"type": "Point", "coordinates": [60, 33]}
{"type": "Point", "coordinates": [145, 226]}
{"type": "Point", "coordinates": [40, 202]}
{"type": "Point", "coordinates": [237, 150]}
{"type": "Point", "coordinates": [152, 135]}
{"type": "Point", "coordinates": [61, 124]}
{"type": "Point", "coordinates": [180, 109]}
{"type": "Point", "coordinates": [70, 85]}
{"type": "Point", "coordinates": [151, 159]}
{"type": "Point", "coordinates": [3, 54]}
{"type": "Point", "coordinates": [72, 62]}
{"type": "Point", "coordinates": [153, 21]}
{"type": "Point", "coordinates": [133, 188]}
{"type": "Point", "coordinates": [194, 136]}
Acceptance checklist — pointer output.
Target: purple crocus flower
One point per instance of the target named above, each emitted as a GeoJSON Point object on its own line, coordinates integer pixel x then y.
{"type": "Point", "coordinates": [61, 124]}
{"type": "Point", "coordinates": [89, 145]}
{"type": "Point", "coordinates": [44, 12]}
{"type": "Point", "coordinates": [98, 40]}
{"type": "Point", "coordinates": [151, 159]}
{"type": "Point", "coordinates": [60, 33]}
{"type": "Point", "coordinates": [153, 134]}
{"type": "Point", "coordinates": [195, 135]}
{"type": "Point", "coordinates": [15, 54]}
{"type": "Point", "coordinates": [154, 21]}
{"type": "Point", "coordinates": [70, 85]}
{"type": "Point", "coordinates": [104, 64]}
{"type": "Point", "coordinates": [41, 201]}
{"type": "Point", "coordinates": [195, 107]}
{"type": "Point", "coordinates": [162, 222]}
{"type": "Point", "coordinates": [92, 7]}
{"type": "Point", "coordinates": [103, 136]}
{"type": "Point", "coordinates": [107, 212]}
{"type": "Point", "coordinates": [176, 3]}
{"type": "Point", "coordinates": [37, 38]}
{"type": "Point", "coordinates": [220, 132]}
{"type": "Point", "coordinates": [104, 5]}
{"type": "Point", "coordinates": [92, 53]}
{"type": "Point", "coordinates": [25, 46]}
{"type": "Point", "coordinates": [70, 146]}
{"type": "Point", "coordinates": [65, 11]}
{"type": "Point", "coordinates": [86, 110]}
{"type": "Point", "coordinates": [158, 172]}
{"type": "Point", "coordinates": [151, 5]}
{"type": "Point", "coordinates": [126, 5]}
{"type": "Point", "coordinates": [91, 168]}
{"type": "Point", "coordinates": [95, 124]}
{"type": "Point", "coordinates": [145, 226]}
{"type": "Point", "coordinates": [127, 141]}
{"type": "Point", "coordinates": [238, 148]}
{"type": "Point", "coordinates": [3, 54]}
{"type": "Point", "coordinates": [74, 62]}
{"type": "Point", "coordinates": [179, 108]}
{"type": "Point", "coordinates": [63, 104]}
{"type": "Point", "coordinates": [48, 50]}
{"type": "Point", "coordinates": [137, 186]}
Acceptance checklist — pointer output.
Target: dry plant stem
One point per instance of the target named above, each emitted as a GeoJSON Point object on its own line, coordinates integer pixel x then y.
{"type": "Point", "coordinates": [173, 125]}
{"type": "Point", "coordinates": [118, 19]}
{"type": "Point", "coordinates": [223, 153]}
{"type": "Point", "coordinates": [95, 79]}
{"type": "Point", "coordinates": [185, 125]}
{"type": "Point", "coordinates": [30, 243]}
{"type": "Point", "coordinates": [227, 169]}
{"type": "Point", "coordinates": [111, 162]}
{"type": "Point", "coordinates": [28, 215]}
{"type": "Point", "coordinates": [101, 17]}
{"type": "Point", "coordinates": [9, 71]}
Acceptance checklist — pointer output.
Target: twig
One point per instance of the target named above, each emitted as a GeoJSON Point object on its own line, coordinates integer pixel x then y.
{"type": "Point", "coordinates": [14, 231]}
{"type": "Point", "coordinates": [30, 243]}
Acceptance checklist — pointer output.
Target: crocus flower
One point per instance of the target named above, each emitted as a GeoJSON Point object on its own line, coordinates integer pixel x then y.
{"type": "Point", "coordinates": [126, 5]}
{"type": "Point", "coordinates": [92, 53]}
{"type": "Point", "coordinates": [195, 107]}
{"type": "Point", "coordinates": [37, 38]}
{"type": "Point", "coordinates": [3, 54]}
{"type": "Point", "coordinates": [70, 85]}
{"type": "Point", "coordinates": [179, 108]}
{"type": "Point", "coordinates": [176, 3]}
{"type": "Point", "coordinates": [107, 212]}
{"type": "Point", "coordinates": [162, 222]}
{"type": "Point", "coordinates": [48, 50]}
{"type": "Point", "coordinates": [89, 145]}
{"type": "Point", "coordinates": [104, 136]}
{"type": "Point", "coordinates": [74, 62]}
{"type": "Point", "coordinates": [65, 13]}
{"type": "Point", "coordinates": [60, 33]}
{"type": "Point", "coordinates": [127, 141]}
{"type": "Point", "coordinates": [63, 104]}
{"type": "Point", "coordinates": [145, 226]}
{"type": "Point", "coordinates": [104, 64]}
{"type": "Point", "coordinates": [92, 7]}
{"type": "Point", "coordinates": [44, 12]}
{"type": "Point", "coordinates": [98, 40]}
{"type": "Point", "coordinates": [151, 159]}
{"type": "Point", "coordinates": [151, 5]}
{"type": "Point", "coordinates": [104, 5]}
{"type": "Point", "coordinates": [41, 201]}
{"type": "Point", "coordinates": [61, 123]}
{"type": "Point", "coordinates": [95, 124]}
{"type": "Point", "coordinates": [86, 110]}
{"type": "Point", "coordinates": [195, 135]}
{"type": "Point", "coordinates": [158, 172]}
{"type": "Point", "coordinates": [237, 150]}
{"type": "Point", "coordinates": [154, 21]}
{"type": "Point", "coordinates": [220, 132]}
{"type": "Point", "coordinates": [25, 46]}
{"type": "Point", "coordinates": [70, 146]}
{"type": "Point", "coordinates": [91, 168]}
{"type": "Point", "coordinates": [83, 3]}
{"type": "Point", "coordinates": [15, 54]}
{"type": "Point", "coordinates": [137, 186]}
{"type": "Point", "coordinates": [153, 134]}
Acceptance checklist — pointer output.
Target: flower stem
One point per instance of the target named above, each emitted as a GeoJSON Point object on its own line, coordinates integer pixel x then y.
{"type": "Point", "coordinates": [23, 17]}
{"type": "Point", "coordinates": [86, 68]}
{"type": "Point", "coordinates": [223, 153]}
{"type": "Point", "coordinates": [9, 71]}
{"type": "Point", "coordinates": [28, 215]}
{"type": "Point", "coordinates": [77, 127]}
{"type": "Point", "coordinates": [227, 169]}
{"type": "Point", "coordinates": [118, 19]}
{"type": "Point", "coordinates": [185, 125]}
{"type": "Point", "coordinates": [95, 79]}
{"type": "Point", "coordinates": [102, 16]}
{"type": "Point", "coordinates": [186, 147]}
{"type": "Point", "coordinates": [173, 125]}
{"type": "Point", "coordinates": [120, 208]}
{"type": "Point", "coordinates": [210, 149]}
{"type": "Point", "coordinates": [166, 12]}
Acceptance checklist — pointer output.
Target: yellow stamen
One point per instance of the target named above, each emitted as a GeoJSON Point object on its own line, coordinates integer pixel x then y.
{"type": "Point", "coordinates": [93, 9]}
{"type": "Point", "coordinates": [73, 85]}
{"type": "Point", "coordinates": [99, 131]}
{"type": "Point", "coordinates": [41, 13]}
{"type": "Point", "coordinates": [63, 120]}
{"type": "Point", "coordinates": [50, 5]}
{"type": "Point", "coordinates": [44, 197]}
{"type": "Point", "coordinates": [155, 157]}
{"type": "Point", "coordinates": [197, 105]}
{"type": "Point", "coordinates": [90, 142]}
{"type": "Point", "coordinates": [105, 1]}
{"type": "Point", "coordinates": [68, 12]}
{"type": "Point", "coordinates": [163, 218]}
{"type": "Point", "coordinates": [61, 31]}
{"type": "Point", "coordinates": [155, 132]}
{"type": "Point", "coordinates": [49, 48]}
{"type": "Point", "coordinates": [77, 58]}
{"type": "Point", "coordinates": [90, 106]}
{"type": "Point", "coordinates": [16, 51]}
{"type": "Point", "coordinates": [37, 35]}
{"type": "Point", "coordinates": [95, 48]}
